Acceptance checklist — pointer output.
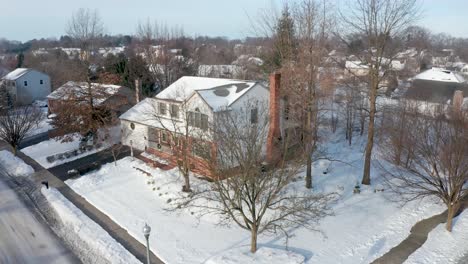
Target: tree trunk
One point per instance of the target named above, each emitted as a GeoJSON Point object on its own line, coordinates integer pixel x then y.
{"type": "Point", "coordinates": [452, 210]}
{"type": "Point", "coordinates": [253, 239]}
{"type": "Point", "coordinates": [15, 149]}
{"type": "Point", "coordinates": [309, 169]}
{"type": "Point", "coordinates": [370, 131]}
{"type": "Point", "coordinates": [186, 173]}
{"type": "Point", "coordinates": [308, 150]}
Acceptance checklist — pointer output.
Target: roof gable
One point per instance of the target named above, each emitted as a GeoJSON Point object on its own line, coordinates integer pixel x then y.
{"type": "Point", "coordinates": [15, 74]}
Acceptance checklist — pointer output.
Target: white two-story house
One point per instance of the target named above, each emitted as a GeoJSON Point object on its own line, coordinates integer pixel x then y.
{"type": "Point", "coordinates": [193, 103]}
{"type": "Point", "coordinates": [27, 85]}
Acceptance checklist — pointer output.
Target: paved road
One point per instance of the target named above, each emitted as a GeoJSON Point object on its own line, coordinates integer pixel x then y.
{"type": "Point", "coordinates": [105, 156]}
{"type": "Point", "coordinates": [33, 140]}
{"type": "Point", "coordinates": [117, 232]}
{"type": "Point", "coordinates": [464, 259]}
{"type": "Point", "coordinates": [23, 238]}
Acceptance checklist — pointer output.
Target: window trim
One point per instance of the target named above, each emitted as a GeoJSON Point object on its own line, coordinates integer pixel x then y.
{"type": "Point", "coordinates": [174, 113]}
{"type": "Point", "coordinates": [162, 108]}
{"type": "Point", "coordinates": [198, 120]}
{"type": "Point", "coordinates": [254, 116]}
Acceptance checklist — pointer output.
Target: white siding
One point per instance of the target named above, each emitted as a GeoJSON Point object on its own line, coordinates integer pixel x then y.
{"type": "Point", "coordinates": [137, 137]}
{"type": "Point", "coordinates": [34, 89]}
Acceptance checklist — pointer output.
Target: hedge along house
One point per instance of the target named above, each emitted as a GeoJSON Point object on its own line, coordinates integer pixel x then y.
{"type": "Point", "coordinates": [26, 85]}
{"type": "Point", "coordinates": [192, 104]}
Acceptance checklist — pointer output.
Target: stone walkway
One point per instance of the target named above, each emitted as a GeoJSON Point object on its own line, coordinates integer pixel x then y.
{"type": "Point", "coordinates": [114, 230]}
{"type": "Point", "coordinates": [417, 237]}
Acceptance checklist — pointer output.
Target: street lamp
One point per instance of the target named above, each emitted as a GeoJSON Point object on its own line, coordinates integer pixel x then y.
{"type": "Point", "coordinates": [146, 232]}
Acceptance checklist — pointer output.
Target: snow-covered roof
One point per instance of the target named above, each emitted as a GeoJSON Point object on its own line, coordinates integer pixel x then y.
{"type": "Point", "coordinates": [144, 113]}
{"type": "Point", "coordinates": [184, 88]}
{"type": "Point", "coordinates": [355, 65]}
{"type": "Point", "coordinates": [103, 91]}
{"type": "Point", "coordinates": [440, 75]}
{"type": "Point", "coordinates": [220, 97]}
{"type": "Point", "coordinates": [14, 75]}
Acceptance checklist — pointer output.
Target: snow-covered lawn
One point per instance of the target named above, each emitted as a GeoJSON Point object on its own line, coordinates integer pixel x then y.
{"type": "Point", "coordinates": [41, 151]}
{"type": "Point", "coordinates": [42, 127]}
{"type": "Point", "coordinates": [364, 227]}
{"type": "Point", "coordinates": [443, 247]}
{"type": "Point", "coordinates": [90, 232]}
{"type": "Point", "coordinates": [262, 256]}
{"type": "Point", "coordinates": [14, 165]}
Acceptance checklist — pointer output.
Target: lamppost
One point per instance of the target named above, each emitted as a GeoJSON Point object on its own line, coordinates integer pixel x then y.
{"type": "Point", "coordinates": [146, 232]}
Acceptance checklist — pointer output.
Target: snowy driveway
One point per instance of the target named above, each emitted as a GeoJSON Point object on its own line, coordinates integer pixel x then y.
{"type": "Point", "coordinates": [23, 238]}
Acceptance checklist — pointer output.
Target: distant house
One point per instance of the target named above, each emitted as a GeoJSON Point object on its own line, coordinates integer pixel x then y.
{"type": "Point", "coordinates": [26, 85]}
{"type": "Point", "coordinates": [117, 98]}
{"type": "Point", "coordinates": [219, 71]}
{"type": "Point", "coordinates": [436, 86]}
{"type": "Point", "coordinates": [356, 68]}
{"type": "Point", "coordinates": [464, 70]}
{"type": "Point", "coordinates": [201, 100]}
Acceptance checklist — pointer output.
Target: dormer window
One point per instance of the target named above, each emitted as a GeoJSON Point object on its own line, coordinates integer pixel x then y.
{"type": "Point", "coordinates": [25, 83]}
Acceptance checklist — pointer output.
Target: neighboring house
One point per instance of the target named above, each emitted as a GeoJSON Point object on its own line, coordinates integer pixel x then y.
{"type": "Point", "coordinates": [356, 68]}
{"type": "Point", "coordinates": [145, 126]}
{"type": "Point", "coordinates": [464, 70]}
{"type": "Point", "coordinates": [441, 75]}
{"type": "Point", "coordinates": [436, 86]}
{"type": "Point", "coordinates": [118, 98]}
{"type": "Point", "coordinates": [27, 85]}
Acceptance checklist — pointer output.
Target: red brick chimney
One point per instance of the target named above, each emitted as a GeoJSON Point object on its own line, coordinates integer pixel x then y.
{"type": "Point", "coordinates": [457, 101]}
{"type": "Point", "coordinates": [274, 133]}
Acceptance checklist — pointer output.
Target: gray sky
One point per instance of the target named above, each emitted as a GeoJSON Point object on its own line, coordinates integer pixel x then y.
{"type": "Point", "coordinates": [28, 19]}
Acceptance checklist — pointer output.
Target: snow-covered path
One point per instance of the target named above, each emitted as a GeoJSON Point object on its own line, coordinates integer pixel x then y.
{"type": "Point", "coordinates": [23, 238]}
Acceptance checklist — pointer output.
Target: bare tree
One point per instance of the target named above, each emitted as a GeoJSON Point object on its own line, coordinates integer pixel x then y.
{"type": "Point", "coordinates": [85, 27]}
{"type": "Point", "coordinates": [304, 77]}
{"type": "Point", "coordinates": [17, 122]}
{"type": "Point", "coordinates": [248, 193]}
{"type": "Point", "coordinates": [379, 22]}
{"type": "Point", "coordinates": [427, 153]}
{"type": "Point", "coordinates": [81, 108]}
{"type": "Point", "coordinates": [156, 42]}
{"type": "Point", "coordinates": [182, 133]}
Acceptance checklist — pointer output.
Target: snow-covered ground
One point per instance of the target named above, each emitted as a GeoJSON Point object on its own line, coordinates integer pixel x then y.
{"type": "Point", "coordinates": [23, 238]}
{"type": "Point", "coordinates": [364, 227]}
{"type": "Point", "coordinates": [262, 256]}
{"type": "Point", "coordinates": [41, 151]}
{"type": "Point", "coordinates": [44, 125]}
{"type": "Point", "coordinates": [14, 165]}
{"type": "Point", "coordinates": [89, 232]}
{"type": "Point", "coordinates": [443, 247]}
